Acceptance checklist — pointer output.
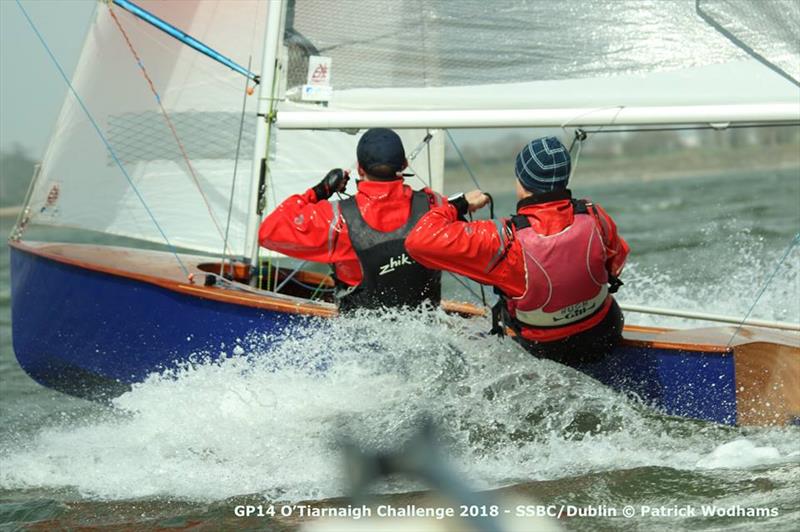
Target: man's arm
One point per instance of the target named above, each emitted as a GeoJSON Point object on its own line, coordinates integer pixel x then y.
{"type": "Point", "coordinates": [616, 248]}
{"type": "Point", "coordinates": [307, 226]}
{"type": "Point", "coordinates": [442, 241]}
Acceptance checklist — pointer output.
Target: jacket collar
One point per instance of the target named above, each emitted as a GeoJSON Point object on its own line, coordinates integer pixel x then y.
{"type": "Point", "coordinates": [380, 188]}
{"type": "Point", "coordinates": [544, 197]}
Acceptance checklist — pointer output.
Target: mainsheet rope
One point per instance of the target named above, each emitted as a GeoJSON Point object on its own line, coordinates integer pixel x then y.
{"type": "Point", "coordinates": [104, 139]}
{"type": "Point", "coordinates": [491, 203]}
{"type": "Point", "coordinates": [169, 122]}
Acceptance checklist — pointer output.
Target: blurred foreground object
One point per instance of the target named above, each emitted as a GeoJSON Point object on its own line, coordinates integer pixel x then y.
{"type": "Point", "coordinates": [451, 506]}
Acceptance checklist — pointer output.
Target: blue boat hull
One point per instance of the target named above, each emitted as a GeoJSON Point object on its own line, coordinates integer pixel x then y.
{"type": "Point", "coordinates": [92, 334]}
{"type": "Point", "coordinates": [692, 384]}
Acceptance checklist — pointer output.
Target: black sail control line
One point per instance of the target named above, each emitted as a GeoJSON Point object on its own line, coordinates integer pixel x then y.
{"type": "Point", "coordinates": [262, 187]}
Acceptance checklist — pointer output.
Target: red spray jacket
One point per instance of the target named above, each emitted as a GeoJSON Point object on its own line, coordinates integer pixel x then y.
{"type": "Point", "coordinates": [305, 228]}
{"type": "Point", "coordinates": [488, 252]}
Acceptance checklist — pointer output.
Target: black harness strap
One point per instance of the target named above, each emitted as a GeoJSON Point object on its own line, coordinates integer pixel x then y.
{"type": "Point", "coordinates": [390, 278]}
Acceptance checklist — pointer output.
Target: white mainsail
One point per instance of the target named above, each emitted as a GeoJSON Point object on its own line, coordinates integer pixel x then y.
{"type": "Point", "coordinates": [579, 56]}
{"type": "Point", "coordinates": [80, 183]}
{"type": "Point", "coordinates": [524, 58]}
{"type": "Point", "coordinates": [201, 98]}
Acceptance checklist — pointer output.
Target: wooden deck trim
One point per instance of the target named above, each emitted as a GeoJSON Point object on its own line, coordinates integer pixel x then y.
{"type": "Point", "coordinates": [767, 384]}
{"type": "Point", "coordinates": [233, 297]}
{"type": "Point", "coordinates": [634, 336]}
{"type": "Point", "coordinates": [711, 349]}
{"type": "Point", "coordinates": [223, 295]}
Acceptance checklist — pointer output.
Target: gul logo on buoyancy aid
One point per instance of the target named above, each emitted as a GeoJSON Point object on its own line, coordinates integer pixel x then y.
{"type": "Point", "coordinates": [390, 277]}
{"type": "Point", "coordinates": [566, 276]}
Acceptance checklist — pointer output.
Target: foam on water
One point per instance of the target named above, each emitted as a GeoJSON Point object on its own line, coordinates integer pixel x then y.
{"type": "Point", "coordinates": [741, 453]}
{"type": "Point", "coordinates": [720, 277]}
{"type": "Point", "coordinates": [267, 418]}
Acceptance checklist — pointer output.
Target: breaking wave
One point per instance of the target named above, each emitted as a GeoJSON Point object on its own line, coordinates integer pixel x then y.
{"type": "Point", "coordinates": [267, 418]}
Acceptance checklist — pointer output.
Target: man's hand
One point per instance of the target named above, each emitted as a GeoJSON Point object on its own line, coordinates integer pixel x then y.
{"type": "Point", "coordinates": [335, 181]}
{"type": "Point", "coordinates": [476, 200]}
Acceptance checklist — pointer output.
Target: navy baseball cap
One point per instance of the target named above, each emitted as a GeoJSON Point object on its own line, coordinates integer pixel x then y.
{"type": "Point", "coordinates": [543, 165]}
{"type": "Point", "coordinates": [381, 154]}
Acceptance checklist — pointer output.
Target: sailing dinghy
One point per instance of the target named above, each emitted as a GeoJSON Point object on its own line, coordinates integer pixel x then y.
{"type": "Point", "coordinates": [160, 141]}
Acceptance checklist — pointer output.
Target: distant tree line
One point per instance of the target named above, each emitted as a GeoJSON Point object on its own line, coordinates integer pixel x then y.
{"type": "Point", "coordinates": [16, 170]}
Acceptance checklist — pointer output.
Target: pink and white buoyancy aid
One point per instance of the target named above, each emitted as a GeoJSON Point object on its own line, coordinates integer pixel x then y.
{"type": "Point", "coordinates": [565, 274]}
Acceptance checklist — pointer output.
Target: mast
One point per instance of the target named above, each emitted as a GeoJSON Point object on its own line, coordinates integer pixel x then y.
{"type": "Point", "coordinates": [266, 94]}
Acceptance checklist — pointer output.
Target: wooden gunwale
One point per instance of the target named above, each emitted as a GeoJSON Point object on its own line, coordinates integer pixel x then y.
{"type": "Point", "coordinates": [163, 272]}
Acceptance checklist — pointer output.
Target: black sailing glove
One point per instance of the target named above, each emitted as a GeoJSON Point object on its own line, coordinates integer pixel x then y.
{"type": "Point", "coordinates": [335, 181]}
{"type": "Point", "coordinates": [461, 204]}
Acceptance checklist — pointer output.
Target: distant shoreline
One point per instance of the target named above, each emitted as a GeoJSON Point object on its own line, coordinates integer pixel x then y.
{"type": "Point", "coordinates": [664, 175]}
{"type": "Point", "coordinates": [460, 183]}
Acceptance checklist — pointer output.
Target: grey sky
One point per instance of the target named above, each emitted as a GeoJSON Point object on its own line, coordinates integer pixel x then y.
{"type": "Point", "coordinates": [31, 89]}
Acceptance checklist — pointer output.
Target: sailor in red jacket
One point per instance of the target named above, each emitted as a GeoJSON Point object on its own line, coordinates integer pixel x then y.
{"type": "Point", "coordinates": [554, 264]}
{"type": "Point", "coordinates": [362, 236]}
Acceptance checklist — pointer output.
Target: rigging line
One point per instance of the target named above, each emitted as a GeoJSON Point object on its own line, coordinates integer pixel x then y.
{"type": "Point", "coordinates": [741, 44]}
{"type": "Point", "coordinates": [234, 285]}
{"type": "Point", "coordinates": [103, 138]}
{"type": "Point", "coordinates": [168, 121]}
{"type": "Point", "coordinates": [575, 161]}
{"type": "Point", "coordinates": [580, 136]}
{"type": "Point", "coordinates": [474, 180]}
{"type": "Point", "coordinates": [469, 288]}
{"type": "Point", "coordinates": [463, 159]}
{"type": "Point", "coordinates": [235, 167]}
{"type": "Point", "coordinates": [619, 109]}
{"type": "Point", "coordinates": [262, 193]}
{"type": "Point", "coordinates": [791, 246]}
{"type": "Point", "coordinates": [425, 142]}
{"type": "Point", "coordinates": [290, 276]}
{"type": "Point", "coordinates": [428, 152]}
{"type": "Point", "coordinates": [318, 290]}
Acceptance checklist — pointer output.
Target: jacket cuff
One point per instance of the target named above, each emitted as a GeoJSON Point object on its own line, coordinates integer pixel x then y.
{"type": "Point", "coordinates": [313, 195]}
{"type": "Point", "coordinates": [461, 205]}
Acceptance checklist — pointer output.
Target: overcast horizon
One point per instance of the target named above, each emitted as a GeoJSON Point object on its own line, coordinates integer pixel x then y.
{"type": "Point", "coordinates": [32, 90]}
